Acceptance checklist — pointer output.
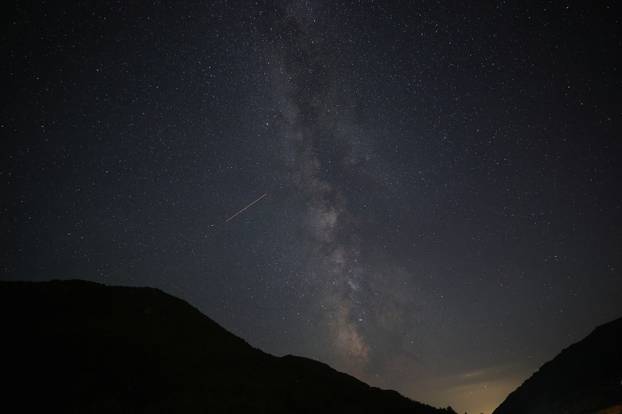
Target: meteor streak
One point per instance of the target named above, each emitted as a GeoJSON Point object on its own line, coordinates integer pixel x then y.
{"type": "Point", "coordinates": [245, 208]}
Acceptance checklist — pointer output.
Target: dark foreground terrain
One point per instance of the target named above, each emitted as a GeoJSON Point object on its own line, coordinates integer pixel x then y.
{"type": "Point", "coordinates": [80, 347]}
{"type": "Point", "coordinates": [584, 378]}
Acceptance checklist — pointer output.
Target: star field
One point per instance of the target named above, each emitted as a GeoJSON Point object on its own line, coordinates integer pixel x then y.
{"type": "Point", "coordinates": [443, 211]}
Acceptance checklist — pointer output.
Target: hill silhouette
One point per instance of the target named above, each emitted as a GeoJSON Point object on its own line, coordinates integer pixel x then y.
{"type": "Point", "coordinates": [584, 378]}
{"type": "Point", "coordinates": [82, 347]}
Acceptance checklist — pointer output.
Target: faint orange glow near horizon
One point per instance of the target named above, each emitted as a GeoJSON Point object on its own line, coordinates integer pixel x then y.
{"type": "Point", "coordinates": [480, 397]}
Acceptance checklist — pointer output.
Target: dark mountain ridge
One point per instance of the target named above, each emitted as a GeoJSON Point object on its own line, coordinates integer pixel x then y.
{"type": "Point", "coordinates": [75, 346]}
{"type": "Point", "coordinates": [584, 378]}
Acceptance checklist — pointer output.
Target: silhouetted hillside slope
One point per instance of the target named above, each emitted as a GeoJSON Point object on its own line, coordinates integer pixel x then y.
{"type": "Point", "coordinates": [73, 346]}
{"type": "Point", "coordinates": [584, 378]}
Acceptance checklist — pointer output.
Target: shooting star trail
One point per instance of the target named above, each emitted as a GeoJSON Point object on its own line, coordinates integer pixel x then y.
{"type": "Point", "coordinates": [246, 208]}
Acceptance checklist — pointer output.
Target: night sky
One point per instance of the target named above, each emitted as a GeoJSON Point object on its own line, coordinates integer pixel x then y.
{"type": "Point", "coordinates": [442, 211]}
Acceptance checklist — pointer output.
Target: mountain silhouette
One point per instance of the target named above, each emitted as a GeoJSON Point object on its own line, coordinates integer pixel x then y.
{"type": "Point", "coordinates": [82, 347]}
{"type": "Point", "coordinates": [584, 378]}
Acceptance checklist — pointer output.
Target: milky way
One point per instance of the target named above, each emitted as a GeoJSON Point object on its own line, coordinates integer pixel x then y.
{"type": "Point", "coordinates": [323, 150]}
